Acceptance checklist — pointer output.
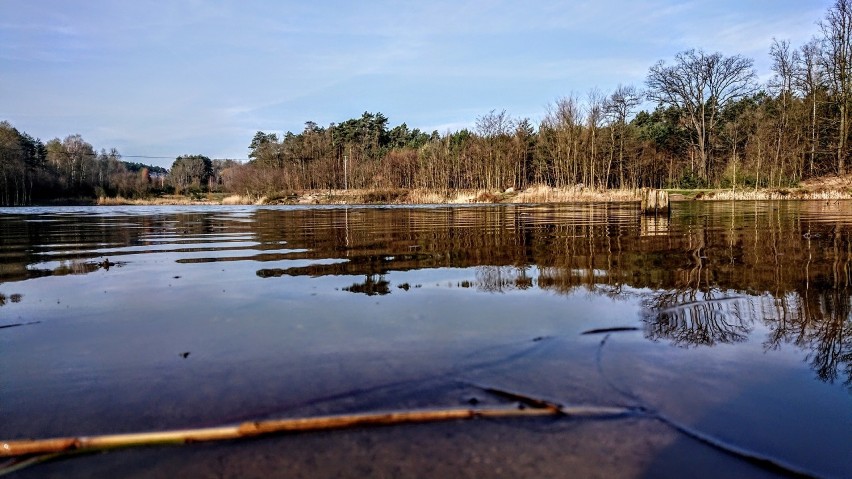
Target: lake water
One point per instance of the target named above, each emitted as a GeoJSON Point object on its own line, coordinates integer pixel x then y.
{"type": "Point", "coordinates": [731, 320]}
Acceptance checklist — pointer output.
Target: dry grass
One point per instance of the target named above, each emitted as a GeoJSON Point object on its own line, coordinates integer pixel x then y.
{"type": "Point", "coordinates": [113, 201]}
{"type": "Point", "coordinates": [239, 200]}
{"type": "Point", "coordinates": [547, 194]}
{"type": "Point", "coordinates": [823, 183]}
{"type": "Point", "coordinates": [822, 188]}
{"type": "Point", "coordinates": [833, 188]}
{"type": "Point", "coordinates": [775, 194]}
{"type": "Point", "coordinates": [427, 197]}
{"type": "Point", "coordinates": [399, 196]}
{"type": "Point", "coordinates": [162, 200]}
{"type": "Point", "coordinates": [385, 196]}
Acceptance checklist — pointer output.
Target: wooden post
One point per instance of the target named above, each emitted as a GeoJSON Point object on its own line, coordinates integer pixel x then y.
{"type": "Point", "coordinates": [655, 202]}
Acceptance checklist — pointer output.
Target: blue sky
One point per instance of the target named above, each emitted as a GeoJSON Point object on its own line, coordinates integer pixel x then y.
{"type": "Point", "coordinates": [200, 77]}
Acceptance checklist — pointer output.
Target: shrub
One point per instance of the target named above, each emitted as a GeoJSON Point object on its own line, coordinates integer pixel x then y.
{"type": "Point", "coordinates": [488, 197]}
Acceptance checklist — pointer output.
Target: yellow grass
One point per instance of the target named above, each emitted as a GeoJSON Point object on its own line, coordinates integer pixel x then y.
{"type": "Point", "coordinates": [547, 194]}
{"type": "Point", "coordinates": [533, 194]}
{"type": "Point", "coordinates": [238, 200]}
{"type": "Point", "coordinates": [775, 194]}
{"type": "Point", "coordinates": [427, 197]}
{"type": "Point", "coordinates": [161, 200]}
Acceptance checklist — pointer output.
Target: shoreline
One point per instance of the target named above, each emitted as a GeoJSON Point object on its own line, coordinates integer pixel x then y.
{"type": "Point", "coordinates": [532, 195]}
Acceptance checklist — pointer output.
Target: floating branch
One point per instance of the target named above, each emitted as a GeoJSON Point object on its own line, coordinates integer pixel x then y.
{"type": "Point", "coordinates": [618, 329]}
{"type": "Point", "coordinates": [258, 428]}
{"type": "Point", "coordinates": [25, 453]}
{"type": "Point", "coordinates": [15, 325]}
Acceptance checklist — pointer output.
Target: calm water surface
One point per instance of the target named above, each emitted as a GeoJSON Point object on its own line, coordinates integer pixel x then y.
{"type": "Point", "coordinates": [733, 320]}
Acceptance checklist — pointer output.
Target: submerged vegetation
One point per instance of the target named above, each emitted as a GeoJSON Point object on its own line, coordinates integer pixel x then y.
{"type": "Point", "coordinates": [712, 126]}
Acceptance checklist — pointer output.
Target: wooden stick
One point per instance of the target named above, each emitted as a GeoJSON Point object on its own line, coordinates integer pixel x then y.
{"type": "Point", "coordinates": [257, 428]}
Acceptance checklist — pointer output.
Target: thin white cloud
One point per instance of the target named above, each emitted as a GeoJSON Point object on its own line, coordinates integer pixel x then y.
{"type": "Point", "coordinates": [40, 28]}
{"type": "Point", "coordinates": [190, 75]}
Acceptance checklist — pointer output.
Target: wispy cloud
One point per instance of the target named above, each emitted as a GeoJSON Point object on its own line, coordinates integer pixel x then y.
{"type": "Point", "coordinates": [199, 76]}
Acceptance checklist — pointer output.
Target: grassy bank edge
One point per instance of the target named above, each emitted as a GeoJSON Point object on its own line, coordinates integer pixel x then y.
{"type": "Point", "coordinates": [535, 194]}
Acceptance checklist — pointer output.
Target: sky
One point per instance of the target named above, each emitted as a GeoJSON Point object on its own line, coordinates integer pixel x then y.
{"type": "Point", "coordinates": [162, 79]}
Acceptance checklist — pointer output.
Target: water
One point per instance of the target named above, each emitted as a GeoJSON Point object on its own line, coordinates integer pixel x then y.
{"type": "Point", "coordinates": [733, 320]}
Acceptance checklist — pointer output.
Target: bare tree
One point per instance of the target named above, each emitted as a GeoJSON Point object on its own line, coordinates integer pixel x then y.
{"type": "Point", "coordinates": [561, 128]}
{"type": "Point", "coordinates": [594, 119]}
{"type": "Point", "coordinates": [701, 84]}
{"type": "Point", "coordinates": [495, 129]}
{"type": "Point", "coordinates": [494, 123]}
{"type": "Point", "coordinates": [837, 49]}
{"type": "Point", "coordinates": [619, 107]}
{"type": "Point", "coordinates": [784, 61]}
{"type": "Point", "coordinates": [810, 80]}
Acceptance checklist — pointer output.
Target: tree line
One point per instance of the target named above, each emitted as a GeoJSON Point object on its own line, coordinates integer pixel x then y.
{"type": "Point", "coordinates": [711, 125]}
{"type": "Point", "coordinates": [33, 171]}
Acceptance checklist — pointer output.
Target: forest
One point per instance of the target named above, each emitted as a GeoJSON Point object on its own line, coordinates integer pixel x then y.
{"type": "Point", "coordinates": [707, 123]}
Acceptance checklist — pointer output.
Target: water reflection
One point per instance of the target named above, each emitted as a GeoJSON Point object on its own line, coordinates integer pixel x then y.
{"type": "Point", "coordinates": [371, 286]}
{"type": "Point", "coordinates": [705, 276]}
{"type": "Point", "coordinates": [818, 323]}
{"type": "Point", "coordinates": [687, 320]}
{"type": "Point", "coordinates": [14, 298]}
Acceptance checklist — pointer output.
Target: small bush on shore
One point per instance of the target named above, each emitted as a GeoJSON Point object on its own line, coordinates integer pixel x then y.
{"type": "Point", "coordinates": [387, 196]}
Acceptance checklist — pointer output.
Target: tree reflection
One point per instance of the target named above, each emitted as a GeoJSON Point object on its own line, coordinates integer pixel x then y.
{"type": "Point", "coordinates": [499, 279]}
{"type": "Point", "coordinates": [373, 285]}
{"type": "Point", "coordinates": [708, 275]}
{"type": "Point", "coordinates": [820, 324]}
{"type": "Point", "coordinates": [702, 321]}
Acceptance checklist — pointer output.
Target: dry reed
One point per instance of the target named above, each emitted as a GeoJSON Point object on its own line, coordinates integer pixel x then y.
{"type": "Point", "coordinates": [775, 194]}
{"type": "Point", "coordinates": [547, 194]}
{"type": "Point", "coordinates": [527, 407]}
{"type": "Point", "coordinates": [156, 201]}
{"type": "Point", "coordinates": [25, 453]}
{"type": "Point", "coordinates": [238, 200]}
{"type": "Point", "coordinates": [533, 194]}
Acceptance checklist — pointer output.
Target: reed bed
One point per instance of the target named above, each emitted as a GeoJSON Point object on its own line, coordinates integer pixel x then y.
{"type": "Point", "coordinates": [157, 201]}
{"type": "Point", "coordinates": [573, 194]}
{"type": "Point", "coordinates": [420, 196]}
{"type": "Point", "coordinates": [533, 194]}
{"type": "Point", "coordinates": [774, 194]}
{"type": "Point", "coordinates": [241, 200]}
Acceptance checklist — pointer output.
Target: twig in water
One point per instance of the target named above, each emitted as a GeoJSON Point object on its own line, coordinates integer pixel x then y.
{"type": "Point", "coordinates": [255, 428]}
{"type": "Point", "coordinates": [611, 330]}
{"type": "Point", "coordinates": [29, 452]}
{"type": "Point", "coordinates": [15, 325]}
{"type": "Point", "coordinates": [388, 388]}
{"type": "Point", "coordinates": [559, 409]}
{"type": "Point", "coordinates": [17, 463]}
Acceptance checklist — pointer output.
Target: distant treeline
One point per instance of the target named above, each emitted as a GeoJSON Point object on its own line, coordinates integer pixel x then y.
{"type": "Point", "coordinates": [32, 171]}
{"type": "Point", "coordinates": [713, 125]}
